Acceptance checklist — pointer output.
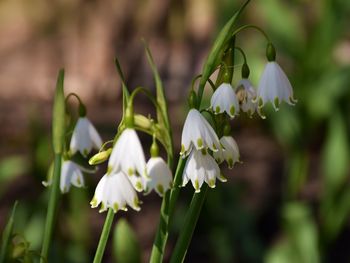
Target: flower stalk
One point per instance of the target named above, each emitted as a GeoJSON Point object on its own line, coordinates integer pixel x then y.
{"type": "Point", "coordinates": [104, 236]}
{"type": "Point", "coordinates": [58, 133]}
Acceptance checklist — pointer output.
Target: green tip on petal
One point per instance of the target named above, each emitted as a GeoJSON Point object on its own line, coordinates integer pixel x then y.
{"type": "Point", "coordinates": [214, 147]}
{"type": "Point", "coordinates": [138, 186]}
{"type": "Point", "coordinates": [232, 110]}
{"type": "Point", "coordinates": [230, 163]}
{"type": "Point", "coordinates": [130, 171]}
{"type": "Point", "coordinates": [182, 149]}
{"type": "Point", "coordinates": [196, 186]}
{"type": "Point", "coordinates": [115, 207]}
{"type": "Point", "coordinates": [160, 189]}
{"type": "Point", "coordinates": [217, 109]}
{"type": "Point", "coordinates": [212, 183]}
{"type": "Point", "coordinates": [136, 204]}
{"type": "Point", "coordinates": [93, 202]}
{"type": "Point", "coordinates": [200, 143]}
{"type": "Point", "coordinates": [204, 151]}
{"type": "Point", "coordinates": [85, 152]}
{"type": "Point", "coordinates": [109, 170]}
{"type": "Point", "coordinates": [276, 103]}
{"type": "Point", "coordinates": [102, 208]}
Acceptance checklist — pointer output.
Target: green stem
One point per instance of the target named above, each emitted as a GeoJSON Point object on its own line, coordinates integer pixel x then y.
{"type": "Point", "coordinates": [191, 219]}
{"type": "Point", "coordinates": [104, 236]}
{"type": "Point", "coordinates": [254, 27]}
{"type": "Point", "coordinates": [52, 208]}
{"type": "Point", "coordinates": [166, 211]}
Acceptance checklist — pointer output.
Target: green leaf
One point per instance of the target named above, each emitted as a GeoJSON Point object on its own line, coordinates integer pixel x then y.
{"type": "Point", "coordinates": [302, 232]}
{"type": "Point", "coordinates": [126, 248]}
{"type": "Point", "coordinates": [335, 154]}
{"type": "Point", "coordinates": [162, 113]}
{"type": "Point", "coordinates": [282, 252]}
{"type": "Point", "coordinates": [58, 122]}
{"type": "Point", "coordinates": [7, 234]}
{"type": "Point", "coordinates": [218, 48]}
{"type": "Point", "coordinates": [124, 87]}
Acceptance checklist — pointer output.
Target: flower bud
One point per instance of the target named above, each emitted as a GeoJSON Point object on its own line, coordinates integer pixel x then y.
{"type": "Point", "coordinates": [100, 157]}
{"type": "Point", "coordinates": [270, 52]}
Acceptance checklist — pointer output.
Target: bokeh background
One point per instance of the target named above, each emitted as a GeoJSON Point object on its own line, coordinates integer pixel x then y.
{"type": "Point", "coordinates": [289, 201]}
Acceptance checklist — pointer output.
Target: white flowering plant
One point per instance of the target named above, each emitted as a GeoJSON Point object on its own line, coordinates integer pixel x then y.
{"type": "Point", "coordinates": [206, 142]}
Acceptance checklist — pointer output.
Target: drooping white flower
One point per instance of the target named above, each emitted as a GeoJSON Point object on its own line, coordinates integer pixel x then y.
{"type": "Point", "coordinates": [127, 156]}
{"type": "Point", "coordinates": [229, 152]}
{"type": "Point", "coordinates": [115, 191]}
{"type": "Point", "coordinates": [246, 94]}
{"type": "Point", "coordinates": [198, 132]}
{"type": "Point", "coordinates": [160, 176]}
{"type": "Point", "coordinates": [224, 100]}
{"type": "Point", "coordinates": [71, 174]}
{"type": "Point", "coordinates": [201, 167]}
{"type": "Point", "coordinates": [85, 137]}
{"type": "Point", "coordinates": [274, 86]}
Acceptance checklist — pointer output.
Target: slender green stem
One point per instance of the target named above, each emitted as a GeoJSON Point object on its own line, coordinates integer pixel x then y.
{"type": "Point", "coordinates": [166, 211]}
{"type": "Point", "coordinates": [254, 27]}
{"type": "Point", "coordinates": [52, 208]}
{"type": "Point", "coordinates": [243, 54]}
{"type": "Point", "coordinates": [104, 236]}
{"type": "Point", "coordinates": [191, 219]}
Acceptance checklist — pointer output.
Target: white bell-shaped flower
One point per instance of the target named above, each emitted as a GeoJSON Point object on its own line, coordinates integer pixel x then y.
{"type": "Point", "coordinates": [71, 174]}
{"type": "Point", "coordinates": [85, 137]}
{"type": "Point", "coordinates": [127, 154]}
{"type": "Point", "coordinates": [229, 152]}
{"type": "Point", "coordinates": [201, 167]}
{"type": "Point", "coordinates": [115, 191]}
{"type": "Point", "coordinates": [224, 100]}
{"type": "Point", "coordinates": [274, 86]}
{"type": "Point", "coordinates": [160, 176]}
{"type": "Point", "coordinates": [198, 132]}
{"type": "Point", "coordinates": [246, 95]}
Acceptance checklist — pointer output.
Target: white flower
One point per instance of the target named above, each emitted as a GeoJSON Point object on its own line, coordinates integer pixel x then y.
{"type": "Point", "coordinates": [246, 95]}
{"type": "Point", "coordinates": [274, 86]}
{"type": "Point", "coordinates": [201, 167]}
{"type": "Point", "coordinates": [71, 174]}
{"type": "Point", "coordinates": [224, 99]}
{"type": "Point", "coordinates": [85, 137]}
{"type": "Point", "coordinates": [127, 156]}
{"type": "Point", "coordinates": [229, 153]}
{"type": "Point", "coordinates": [198, 132]}
{"type": "Point", "coordinates": [160, 175]}
{"type": "Point", "coordinates": [115, 191]}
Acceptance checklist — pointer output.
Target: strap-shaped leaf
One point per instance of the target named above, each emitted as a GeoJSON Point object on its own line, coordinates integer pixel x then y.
{"type": "Point", "coordinates": [7, 234]}
{"type": "Point", "coordinates": [124, 87]}
{"type": "Point", "coordinates": [162, 117]}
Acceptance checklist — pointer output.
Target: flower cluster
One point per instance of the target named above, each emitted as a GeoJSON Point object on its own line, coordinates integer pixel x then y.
{"type": "Point", "coordinates": [199, 140]}
{"type": "Point", "coordinates": [127, 173]}
{"type": "Point", "coordinates": [84, 138]}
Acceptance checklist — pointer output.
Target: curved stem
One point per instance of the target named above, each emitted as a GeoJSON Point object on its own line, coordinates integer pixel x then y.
{"type": "Point", "coordinates": [104, 236]}
{"type": "Point", "coordinates": [243, 54]}
{"type": "Point", "coordinates": [254, 27]}
{"type": "Point", "coordinates": [147, 93]}
{"type": "Point", "coordinates": [191, 219]}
